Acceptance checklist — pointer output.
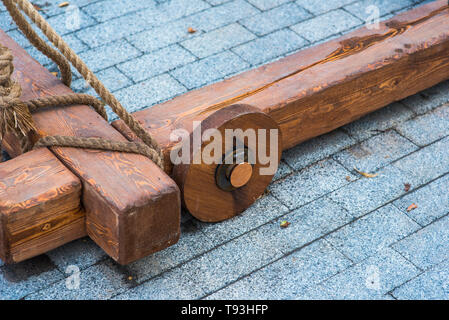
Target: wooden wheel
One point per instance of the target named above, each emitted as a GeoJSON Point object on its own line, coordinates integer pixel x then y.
{"type": "Point", "coordinates": [222, 189]}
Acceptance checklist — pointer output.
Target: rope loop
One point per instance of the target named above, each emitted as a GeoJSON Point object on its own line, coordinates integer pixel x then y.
{"type": "Point", "coordinates": [14, 111]}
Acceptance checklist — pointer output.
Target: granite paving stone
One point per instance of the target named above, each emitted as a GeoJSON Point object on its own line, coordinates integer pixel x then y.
{"type": "Point", "coordinates": [375, 231]}
{"type": "Point", "coordinates": [428, 246]}
{"type": "Point", "coordinates": [427, 128]}
{"type": "Point", "coordinates": [310, 183]}
{"type": "Point", "coordinates": [432, 201]}
{"type": "Point", "coordinates": [370, 279]}
{"type": "Point", "coordinates": [273, 45]}
{"type": "Point", "coordinates": [430, 285]}
{"type": "Point", "coordinates": [21, 279]}
{"type": "Point", "coordinates": [385, 7]}
{"type": "Point", "coordinates": [317, 149]}
{"type": "Point", "coordinates": [286, 277]}
{"type": "Point", "coordinates": [149, 92]}
{"type": "Point", "coordinates": [156, 63]}
{"type": "Point", "coordinates": [338, 21]}
{"type": "Point", "coordinates": [381, 120]}
{"type": "Point", "coordinates": [376, 152]}
{"type": "Point", "coordinates": [210, 69]}
{"type": "Point", "coordinates": [218, 40]}
{"type": "Point", "coordinates": [262, 211]}
{"type": "Point", "coordinates": [275, 19]}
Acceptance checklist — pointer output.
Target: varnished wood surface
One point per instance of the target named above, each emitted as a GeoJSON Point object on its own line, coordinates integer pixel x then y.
{"type": "Point", "coordinates": [201, 195]}
{"type": "Point", "coordinates": [132, 206]}
{"type": "Point", "coordinates": [40, 206]}
{"type": "Point", "coordinates": [324, 87]}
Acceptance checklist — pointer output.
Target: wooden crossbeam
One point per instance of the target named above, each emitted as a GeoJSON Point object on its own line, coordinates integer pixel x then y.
{"type": "Point", "coordinates": [40, 206]}
{"type": "Point", "coordinates": [132, 207]}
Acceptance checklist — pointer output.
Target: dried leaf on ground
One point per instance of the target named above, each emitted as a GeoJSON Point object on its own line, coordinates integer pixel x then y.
{"type": "Point", "coordinates": [63, 4]}
{"type": "Point", "coordinates": [411, 207]}
{"type": "Point", "coordinates": [407, 187]}
{"type": "Point", "coordinates": [285, 224]}
{"type": "Point", "coordinates": [365, 174]}
{"type": "Point", "coordinates": [191, 30]}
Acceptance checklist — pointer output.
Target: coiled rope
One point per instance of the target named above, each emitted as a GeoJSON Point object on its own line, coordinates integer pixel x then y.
{"type": "Point", "coordinates": [15, 114]}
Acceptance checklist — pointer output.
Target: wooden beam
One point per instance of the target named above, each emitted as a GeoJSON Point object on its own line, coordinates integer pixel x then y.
{"type": "Point", "coordinates": [326, 86]}
{"type": "Point", "coordinates": [40, 206]}
{"type": "Point", "coordinates": [132, 206]}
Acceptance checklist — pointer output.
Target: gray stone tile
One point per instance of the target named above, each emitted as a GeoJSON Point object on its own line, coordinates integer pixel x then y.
{"type": "Point", "coordinates": [24, 278]}
{"type": "Point", "coordinates": [232, 261]}
{"type": "Point", "coordinates": [319, 7]}
{"type": "Point", "coordinates": [73, 19]}
{"type": "Point", "coordinates": [370, 279]}
{"type": "Point", "coordinates": [149, 92]}
{"type": "Point", "coordinates": [111, 77]}
{"type": "Point", "coordinates": [81, 253]}
{"type": "Point", "coordinates": [210, 69]}
{"type": "Point", "coordinates": [218, 40]}
{"type": "Point", "coordinates": [282, 171]}
{"type": "Point", "coordinates": [317, 149]}
{"type": "Point", "coordinates": [310, 184]}
{"type": "Point", "coordinates": [428, 246]}
{"type": "Point", "coordinates": [428, 99]}
{"type": "Point", "coordinates": [286, 277]}
{"type": "Point", "coordinates": [426, 164]}
{"type": "Point", "coordinates": [270, 46]}
{"type": "Point", "coordinates": [156, 63]}
{"type": "Point", "coordinates": [373, 232]}
{"type": "Point", "coordinates": [115, 29]}
{"type": "Point", "coordinates": [427, 128]}
{"type": "Point", "coordinates": [165, 35]}
{"type": "Point", "coordinates": [51, 7]}
{"type": "Point", "coordinates": [262, 211]}
{"type": "Point", "coordinates": [101, 281]}
{"type": "Point", "coordinates": [221, 15]}
{"type": "Point", "coordinates": [359, 8]}
{"type": "Point", "coordinates": [193, 242]}
{"type": "Point", "coordinates": [335, 21]}
{"type": "Point", "coordinates": [378, 121]}
{"type": "Point", "coordinates": [367, 194]}
{"type": "Point", "coordinates": [307, 224]}
{"type": "Point", "coordinates": [430, 285]}
{"type": "Point", "coordinates": [6, 22]}
{"type": "Point", "coordinates": [275, 19]}
{"type": "Point", "coordinates": [376, 152]}
{"type": "Point", "coordinates": [117, 52]}
{"type": "Point", "coordinates": [173, 285]}
{"type": "Point", "coordinates": [116, 8]}
{"type": "Point", "coordinates": [432, 201]}
{"type": "Point", "coordinates": [267, 4]}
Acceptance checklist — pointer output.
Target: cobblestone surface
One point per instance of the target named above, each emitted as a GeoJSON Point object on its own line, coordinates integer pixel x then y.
{"type": "Point", "coordinates": [350, 237]}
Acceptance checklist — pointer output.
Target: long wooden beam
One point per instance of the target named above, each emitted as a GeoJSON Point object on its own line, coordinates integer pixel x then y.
{"type": "Point", "coordinates": [326, 86]}
{"type": "Point", "coordinates": [132, 207]}
{"type": "Point", "coordinates": [306, 94]}
{"type": "Point", "coordinates": [40, 206]}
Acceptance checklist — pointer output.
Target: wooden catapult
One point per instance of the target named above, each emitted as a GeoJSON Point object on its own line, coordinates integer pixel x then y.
{"type": "Point", "coordinates": [131, 208]}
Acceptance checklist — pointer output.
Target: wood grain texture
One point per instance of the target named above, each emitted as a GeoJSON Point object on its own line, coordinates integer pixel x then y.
{"type": "Point", "coordinates": [201, 194]}
{"type": "Point", "coordinates": [40, 206]}
{"type": "Point", "coordinates": [323, 87]}
{"type": "Point", "coordinates": [132, 206]}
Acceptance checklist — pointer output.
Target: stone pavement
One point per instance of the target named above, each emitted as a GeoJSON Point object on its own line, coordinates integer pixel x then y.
{"type": "Point", "coordinates": [350, 237]}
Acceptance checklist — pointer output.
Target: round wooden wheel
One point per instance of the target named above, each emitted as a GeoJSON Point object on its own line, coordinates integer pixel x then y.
{"type": "Point", "coordinates": [219, 190]}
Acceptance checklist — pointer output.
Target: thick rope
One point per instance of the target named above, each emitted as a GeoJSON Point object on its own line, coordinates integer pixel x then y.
{"type": "Point", "coordinates": [82, 68]}
{"type": "Point", "coordinates": [156, 154]}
